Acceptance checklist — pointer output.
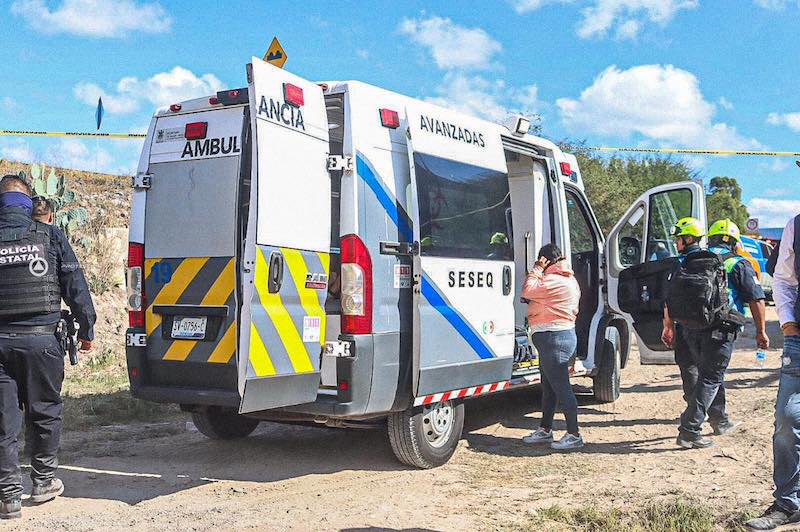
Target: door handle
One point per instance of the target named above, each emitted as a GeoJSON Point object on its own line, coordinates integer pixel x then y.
{"type": "Point", "coordinates": [275, 277]}
{"type": "Point", "coordinates": [506, 280]}
{"type": "Point", "coordinates": [399, 248]}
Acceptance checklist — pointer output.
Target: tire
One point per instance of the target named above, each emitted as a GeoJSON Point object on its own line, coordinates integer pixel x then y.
{"type": "Point", "coordinates": [222, 423]}
{"type": "Point", "coordinates": [426, 437]}
{"type": "Point", "coordinates": [607, 380]}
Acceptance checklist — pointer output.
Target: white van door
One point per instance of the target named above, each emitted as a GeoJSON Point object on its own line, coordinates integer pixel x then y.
{"type": "Point", "coordinates": [640, 256]}
{"type": "Point", "coordinates": [464, 268]}
{"type": "Point", "coordinates": [286, 253]}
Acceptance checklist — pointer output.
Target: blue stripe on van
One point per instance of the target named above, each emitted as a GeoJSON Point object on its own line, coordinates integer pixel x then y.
{"type": "Point", "coordinates": [389, 204]}
{"type": "Point", "coordinates": [454, 318]}
{"type": "Point", "coordinates": [435, 299]}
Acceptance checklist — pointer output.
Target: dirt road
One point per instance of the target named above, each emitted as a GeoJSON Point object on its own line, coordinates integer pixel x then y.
{"type": "Point", "coordinates": [167, 476]}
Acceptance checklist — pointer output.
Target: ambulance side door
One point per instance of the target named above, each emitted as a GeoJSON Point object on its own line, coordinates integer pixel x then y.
{"type": "Point", "coordinates": [640, 256]}
{"type": "Point", "coordinates": [285, 258]}
{"type": "Point", "coordinates": [464, 270]}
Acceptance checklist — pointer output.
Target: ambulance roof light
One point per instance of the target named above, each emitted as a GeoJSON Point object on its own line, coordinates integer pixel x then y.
{"type": "Point", "coordinates": [175, 107]}
{"type": "Point", "coordinates": [518, 125]}
{"type": "Point", "coordinates": [390, 118]}
{"type": "Point", "coordinates": [293, 95]}
{"type": "Point", "coordinates": [213, 100]}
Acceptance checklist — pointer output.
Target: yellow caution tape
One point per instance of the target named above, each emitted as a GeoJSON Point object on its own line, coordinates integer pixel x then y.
{"type": "Point", "coordinates": [11, 133]}
{"type": "Point", "coordinates": [699, 151]}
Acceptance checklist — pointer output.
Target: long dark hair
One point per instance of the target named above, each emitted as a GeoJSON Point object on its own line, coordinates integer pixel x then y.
{"type": "Point", "coordinates": [551, 252]}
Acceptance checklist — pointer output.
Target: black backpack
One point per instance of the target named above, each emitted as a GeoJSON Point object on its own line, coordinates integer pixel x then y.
{"type": "Point", "coordinates": [697, 292]}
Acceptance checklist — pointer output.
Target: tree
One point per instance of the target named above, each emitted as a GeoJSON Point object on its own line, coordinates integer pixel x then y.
{"type": "Point", "coordinates": [725, 201]}
{"type": "Point", "coordinates": [612, 185]}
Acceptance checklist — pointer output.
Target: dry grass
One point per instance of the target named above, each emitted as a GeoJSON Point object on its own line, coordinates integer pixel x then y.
{"type": "Point", "coordinates": [677, 515]}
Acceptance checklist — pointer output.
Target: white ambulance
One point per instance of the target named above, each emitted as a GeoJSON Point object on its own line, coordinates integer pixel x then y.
{"type": "Point", "coordinates": [341, 254]}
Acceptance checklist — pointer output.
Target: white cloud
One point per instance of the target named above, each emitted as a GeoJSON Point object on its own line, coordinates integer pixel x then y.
{"type": "Point", "coordinates": [93, 18]}
{"type": "Point", "coordinates": [159, 90]}
{"type": "Point", "coordinates": [624, 17]}
{"type": "Point", "coordinates": [452, 46]}
{"type": "Point", "coordinates": [88, 93]}
{"type": "Point", "coordinates": [16, 150]}
{"type": "Point", "coordinates": [661, 103]}
{"type": "Point", "coordinates": [526, 6]}
{"type": "Point", "coordinates": [775, 5]}
{"type": "Point", "coordinates": [361, 53]}
{"type": "Point", "coordinates": [169, 87]}
{"type": "Point", "coordinates": [602, 15]}
{"type": "Point", "coordinates": [74, 153]}
{"type": "Point", "coordinates": [491, 100]}
{"type": "Point", "coordinates": [777, 192]}
{"type": "Point", "coordinates": [790, 120]}
{"type": "Point", "coordinates": [725, 103]}
{"type": "Point", "coordinates": [8, 103]}
{"type": "Point", "coordinates": [773, 212]}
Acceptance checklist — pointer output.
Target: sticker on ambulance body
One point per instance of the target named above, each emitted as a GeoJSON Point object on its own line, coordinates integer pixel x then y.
{"type": "Point", "coordinates": [312, 325]}
{"type": "Point", "coordinates": [316, 281]}
{"type": "Point", "coordinates": [402, 276]}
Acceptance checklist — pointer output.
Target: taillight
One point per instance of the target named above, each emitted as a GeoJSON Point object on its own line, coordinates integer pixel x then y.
{"type": "Point", "coordinates": [135, 284]}
{"type": "Point", "coordinates": [356, 279]}
{"type": "Point", "coordinates": [195, 130]}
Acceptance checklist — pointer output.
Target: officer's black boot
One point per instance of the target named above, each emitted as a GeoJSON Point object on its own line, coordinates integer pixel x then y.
{"type": "Point", "coordinates": [47, 491]}
{"type": "Point", "coordinates": [11, 509]}
{"type": "Point", "coordinates": [698, 443]}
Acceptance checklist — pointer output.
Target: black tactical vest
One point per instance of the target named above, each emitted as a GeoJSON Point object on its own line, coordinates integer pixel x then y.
{"type": "Point", "coordinates": [28, 273]}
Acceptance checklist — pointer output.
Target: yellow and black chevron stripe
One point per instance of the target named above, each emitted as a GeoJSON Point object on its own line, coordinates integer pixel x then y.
{"type": "Point", "coordinates": [277, 344]}
{"type": "Point", "coordinates": [200, 281]}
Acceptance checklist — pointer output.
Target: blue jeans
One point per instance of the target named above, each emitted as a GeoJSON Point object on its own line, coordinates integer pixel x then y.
{"type": "Point", "coordinates": [555, 348]}
{"type": "Point", "coordinates": [786, 439]}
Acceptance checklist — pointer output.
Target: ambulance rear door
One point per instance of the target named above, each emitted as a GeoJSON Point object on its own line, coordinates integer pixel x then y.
{"type": "Point", "coordinates": [286, 251]}
{"type": "Point", "coordinates": [641, 255]}
{"type": "Point", "coordinates": [189, 254]}
{"type": "Point", "coordinates": [464, 266]}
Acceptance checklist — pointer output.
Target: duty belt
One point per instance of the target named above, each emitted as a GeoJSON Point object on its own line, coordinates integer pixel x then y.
{"type": "Point", "coordinates": [35, 330]}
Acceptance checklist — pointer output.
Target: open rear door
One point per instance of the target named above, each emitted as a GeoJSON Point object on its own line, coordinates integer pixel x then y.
{"type": "Point", "coordinates": [640, 256]}
{"type": "Point", "coordinates": [284, 268]}
{"type": "Point", "coordinates": [464, 271]}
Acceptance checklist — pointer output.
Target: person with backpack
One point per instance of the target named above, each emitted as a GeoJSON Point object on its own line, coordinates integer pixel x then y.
{"type": "Point", "coordinates": [785, 509]}
{"type": "Point", "coordinates": [700, 302]}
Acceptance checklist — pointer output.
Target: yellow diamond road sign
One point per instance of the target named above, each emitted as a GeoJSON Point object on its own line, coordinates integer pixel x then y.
{"type": "Point", "coordinates": [275, 55]}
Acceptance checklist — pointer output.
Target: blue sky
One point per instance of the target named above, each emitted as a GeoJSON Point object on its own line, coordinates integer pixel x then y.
{"type": "Point", "coordinates": [652, 73]}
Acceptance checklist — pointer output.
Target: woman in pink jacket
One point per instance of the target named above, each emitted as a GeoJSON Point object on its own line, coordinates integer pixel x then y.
{"type": "Point", "coordinates": [553, 294]}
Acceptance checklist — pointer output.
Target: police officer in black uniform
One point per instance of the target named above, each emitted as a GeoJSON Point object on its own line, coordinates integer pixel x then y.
{"type": "Point", "coordinates": [37, 269]}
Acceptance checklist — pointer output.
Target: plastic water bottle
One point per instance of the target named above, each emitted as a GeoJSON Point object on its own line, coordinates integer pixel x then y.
{"type": "Point", "coordinates": [761, 357]}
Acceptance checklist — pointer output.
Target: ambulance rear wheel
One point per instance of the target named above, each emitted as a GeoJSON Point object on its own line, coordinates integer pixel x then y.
{"type": "Point", "coordinates": [607, 380]}
{"type": "Point", "coordinates": [223, 423]}
{"type": "Point", "coordinates": [426, 437]}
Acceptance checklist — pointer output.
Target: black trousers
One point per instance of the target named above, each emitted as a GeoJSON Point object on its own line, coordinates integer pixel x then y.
{"type": "Point", "coordinates": [685, 358]}
{"type": "Point", "coordinates": [31, 375]}
{"type": "Point", "coordinates": [703, 383]}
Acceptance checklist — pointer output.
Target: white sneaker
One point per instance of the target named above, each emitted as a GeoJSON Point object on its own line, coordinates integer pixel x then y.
{"type": "Point", "coordinates": [539, 436]}
{"type": "Point", "coordinates": [568, 442]}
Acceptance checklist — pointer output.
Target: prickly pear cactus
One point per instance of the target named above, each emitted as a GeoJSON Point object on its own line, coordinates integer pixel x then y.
{"type": "Point", "coordinates": [54, 188]}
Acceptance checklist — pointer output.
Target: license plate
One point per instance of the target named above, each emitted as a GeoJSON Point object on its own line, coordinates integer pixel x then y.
{"type": "Point", "coordinates": [189, 328]}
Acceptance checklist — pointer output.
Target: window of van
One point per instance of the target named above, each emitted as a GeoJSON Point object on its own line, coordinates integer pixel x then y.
{"type": "Point", "coordinates": [666, 208]}
{"type": "Point", "coordinates": [462, 210]}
